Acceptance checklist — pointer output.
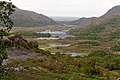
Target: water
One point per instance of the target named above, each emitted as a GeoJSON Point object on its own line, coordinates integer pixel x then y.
{"type": "Point", "coordinates": [72, 54]}
{"type": "Point", "coordinates": [59, 45]}
{"type": "Point", "coordinates": [62, 45]}
{"type": "Point", "coordinates": [47, 38]}
{"type": "Point", "coordinates": [55, 35]}
{"type": "Point", "coordinates": [56, 45]}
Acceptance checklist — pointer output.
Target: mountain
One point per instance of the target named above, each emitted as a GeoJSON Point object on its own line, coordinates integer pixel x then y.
{"type": "Point", "coordinates": [24, 18]}
{"type": "Point", "coordinates": [85, 21]}
{"type": "Point", "coordinates": [107, 26]}
{"type": "Point", "coordinates": [113, 11]}
{"type": "Point", "coordinates": [64, 18]}
{"type": "Point", "coordinates": [82, 21]}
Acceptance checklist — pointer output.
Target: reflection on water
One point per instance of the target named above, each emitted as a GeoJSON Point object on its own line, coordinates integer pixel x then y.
{"type": "Point", "coordinates": [59, 45]}
{"type": "Point", "coordinates": [72, 54]}
{"type": "Point", "coordinates": [62, 45]}
{"type": "Point", "coordinates": [49, 38]}
{"type": "Point", "coordinates": [55, 35]}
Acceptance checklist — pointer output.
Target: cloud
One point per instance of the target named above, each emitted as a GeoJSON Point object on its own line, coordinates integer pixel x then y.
{"type": "Point", "coordinates": [80, 8]}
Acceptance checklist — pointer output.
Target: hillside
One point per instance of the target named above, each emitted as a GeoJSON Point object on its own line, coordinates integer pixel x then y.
{"type": "Point", "coordinates": [86, 21]}
{"type": "Point", "coordinates": [24, 18]}
{"type": "Point", "coordinates": [113, 11]}
{"type": "Point", "coordinates": [82, 21]}
{"type": "Point", "coordinates": [92, 54]}
{"type": "Point", "coordinates": [107, 25]}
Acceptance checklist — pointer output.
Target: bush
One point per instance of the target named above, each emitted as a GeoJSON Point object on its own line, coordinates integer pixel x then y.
{"type": "Point", "coordinates": [45, 35]}
{"type": "Point", "coordinates": [113, 66]}
{"type": "Point", "coordinates": [3, 54]}
{"type": "Point", "coordinates": [3, 33]}
{"type": "Point", "coordinates": [93, 43]}
{"type": "Point", "coordinates": [115, 34]}
{"type": "Point", "coordinates": [12, 37]}
{"type": "Point", "coordinates": [98, 53]}
{"type": "Point", "coordinates": [33, 44]}
{"type": "Point", "coordinates": [90, 70]}
{"type": "Point", "coordinates": [115, 48]}
{"type": "Point", "coordinates": [29, 34]}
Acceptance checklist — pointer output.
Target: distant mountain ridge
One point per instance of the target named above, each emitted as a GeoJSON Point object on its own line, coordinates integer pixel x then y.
{"type": "Point", "coordinates": [85, 21]}
{"type": "Point", "coordinates": [58, 18]}
{"type": "Point", "coordinates": [113, 11]}
{"type": "Point", "coordinates": [106, 26]}
{"type": "Point", "coordinates": [24, 18]}
{"type": "Point", "coordinates": [82, 21]}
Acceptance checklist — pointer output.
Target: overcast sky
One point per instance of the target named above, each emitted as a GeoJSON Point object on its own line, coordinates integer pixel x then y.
{"type": "Point", "coordinates": [73, 8]}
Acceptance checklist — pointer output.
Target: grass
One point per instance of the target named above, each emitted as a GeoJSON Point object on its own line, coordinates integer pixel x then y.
{"type": "Point", "coordinates": [98, 66]}
{"type": "Point", "coordinates": [64, 67]}
{"type": "Point", "coordinates": [38, 29]}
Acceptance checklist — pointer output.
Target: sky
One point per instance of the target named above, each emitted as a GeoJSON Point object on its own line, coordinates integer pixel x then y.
{"type": "Point", "coordinates": [67, 8]}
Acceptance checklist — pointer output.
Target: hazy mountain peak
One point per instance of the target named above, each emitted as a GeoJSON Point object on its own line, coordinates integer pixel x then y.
{"type": "Point", "coordinates": [113, 11]}
{"type": "Point", "coordinates": [85, 21]}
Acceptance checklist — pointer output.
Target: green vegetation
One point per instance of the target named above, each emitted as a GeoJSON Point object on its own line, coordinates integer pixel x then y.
{"type": "Point", "coordinates": [31, 34]}
{"type": "Point", "coordinates": [107, 27]}
{"type": "Point", "coordinates": [115, 34]}
{"type": "Point", "coordinates": [116, 48]}
{"type": "Point", "coordinates": [74, 32]}
{"type": "Point", "coordinates": [93, 43]}
{"type": "Point", "coordinates": [6, 9]}
{"type": "Point", "coordinates": [98, 65]}
{"type": "Point", "coordinates": [3, 54]}
{"type": "Point", "coordinates": [98, 44]}
{"type": "Point", "coordinates": [28, 34]}
{"type": "Point", "coordinates": [44, 35]}
{"type": "Point", "coordinates": [33, 45]}
{"type": "Point", "coordinates": [94, 30]}
{"type": "Point", "coordinates": [24, 18]}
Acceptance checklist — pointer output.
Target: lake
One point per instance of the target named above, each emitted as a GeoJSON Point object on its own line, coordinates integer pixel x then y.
{"type": "Point", "coordinates": [73, 54]}
{"type": "Point", "coordinates": [55, 35]}
{"type": "Point", "coordinates": [59, 45]}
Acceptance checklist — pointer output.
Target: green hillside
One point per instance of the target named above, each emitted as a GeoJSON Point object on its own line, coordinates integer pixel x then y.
{"type": "Point", "coordinates": [92, 52]}
{"type": "Point", "coordinates": [102, 27]}
{"type": "Point", "coordinates": [24, 18]}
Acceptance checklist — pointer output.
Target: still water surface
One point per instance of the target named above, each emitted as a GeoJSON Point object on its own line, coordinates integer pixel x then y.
{"type": "Point", "coordinates": [55, 35]}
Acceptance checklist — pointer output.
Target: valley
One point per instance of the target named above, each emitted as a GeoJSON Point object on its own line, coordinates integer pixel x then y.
{"type": "Point", "coordinates": [37, 47]}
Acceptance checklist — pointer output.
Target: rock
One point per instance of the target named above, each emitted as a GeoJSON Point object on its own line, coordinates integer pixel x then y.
{"type": "Point", "coordinates": [6, 42]}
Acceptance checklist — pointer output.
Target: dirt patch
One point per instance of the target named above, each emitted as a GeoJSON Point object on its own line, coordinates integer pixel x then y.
{"type": "Point", "coordinates": [16, 53]}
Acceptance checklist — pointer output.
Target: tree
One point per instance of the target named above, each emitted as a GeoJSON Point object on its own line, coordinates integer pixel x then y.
{"type": "Point", "coordinates": [6, 24]}
{"type": "Point", "coordinates": [6, 9]}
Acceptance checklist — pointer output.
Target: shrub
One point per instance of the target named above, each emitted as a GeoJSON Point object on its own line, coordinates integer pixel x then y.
{"type": "Point", "coordinates": [45, 35]}
{"type": "Point", "coordinates": [93, 43]}
{"type": "Point", "coordinates": [115, 34]}
{"type": "Point", "coordinates": [112, 66]}
{"type": "Point", "coordinates": [98, 53]}
{"type": "Point", "coordinates": [33, 44]}
{"type": "Point", "coordinates": [89, 70]}
{"type": "Point", "coordinates": [3, 54]}
{"type": "Point", "coordinates": [29, 34]}
{"type": "Point", "coordinates": [115, 48]}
